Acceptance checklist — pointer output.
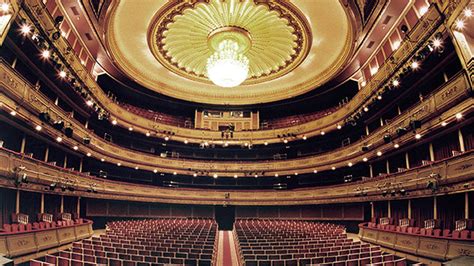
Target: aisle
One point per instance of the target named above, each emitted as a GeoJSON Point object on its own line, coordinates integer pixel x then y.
{"type": "Point", "coordinates": [226, 252]}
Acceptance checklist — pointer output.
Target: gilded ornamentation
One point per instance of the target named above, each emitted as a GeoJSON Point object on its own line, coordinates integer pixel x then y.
{"type": "Point", "coordinates": [277, 36]}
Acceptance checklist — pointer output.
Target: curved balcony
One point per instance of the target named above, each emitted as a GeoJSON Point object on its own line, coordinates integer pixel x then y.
{"type": "Point", "coordinates": [421, 32]}
{"type": "Point", "coordinates": [442, 105]}
{"type": "Point", "coordinates": [451, 174]}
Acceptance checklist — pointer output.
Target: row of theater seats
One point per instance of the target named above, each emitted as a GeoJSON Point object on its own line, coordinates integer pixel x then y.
{"type": "Point", "coordinates": [178, 121]}
{"type": "Point", "coordinates": [18, 228]}
{"type": "Point", "coordinates": [292, 120]}
{"type": "Point", "coordinates": [434, 232]}
{"type": "Point", "coordinates": [145, 242]}
{"type": "Point", "coordinates": [274, 242]}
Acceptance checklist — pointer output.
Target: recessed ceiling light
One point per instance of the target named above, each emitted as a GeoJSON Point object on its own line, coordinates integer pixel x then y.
{"type": "Point", "coordinates": [155, 171]}
{"type": "Point", "coordinates": [349, 164]}
{"type": "Point", "coordinates": [235, 176]}
{"type": "Point", "coordinates": [62, 74]}
{"type": "Point", "coordinates": [75, 148]}
{"type": "Point", "coordinates": [130, 129]}
{"type": "Point", "coordinates": [276, 175]}
{"type": "Point", "coordinates": [418, 136]}
{"type": "Point", "coordinates": [396, 146]}
{"type": "Point", "coordinates": [45, 54]}
{"type": "Point", "coordinates": [215, 176]}
{"type": "Point", "coordinates": [38, 128]}
{"type": "Point", "coordinates": [89, 102]}
{"type": "Point", "coordinates": [88, 154]}
{"type": "Point", "coordinates": [443, 124]}
{"type": "Point", "coordinates": [323, 133]}
{"type": "Point", "coordinates": [59, 139]}
{"type": "Point", "coordinates": [25, 29]}
{"type": "Point", "coordinates": [365, 159]}
{"type": "Point", "coordinates": [315, 171]}
{"type": "Point", "coordinates": [379, 153]}
{"type": "Point", "coordinates": [114, 122]}
{"type": "Point", "coordinates": [415, 65]}
{"type": "Point", "coordinates": [13, 113]}
{"type": "Point", "coordinates": [119, 164]}
{"type": "Point", "coordinates": [458, 116]}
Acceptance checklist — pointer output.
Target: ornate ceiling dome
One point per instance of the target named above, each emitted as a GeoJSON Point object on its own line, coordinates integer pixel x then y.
{"type": "Point", "coordinates": [286, 48]}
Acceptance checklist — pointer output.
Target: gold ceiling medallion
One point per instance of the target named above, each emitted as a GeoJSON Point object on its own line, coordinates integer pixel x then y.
{"type": "Point", "coordinates": [273, 35]}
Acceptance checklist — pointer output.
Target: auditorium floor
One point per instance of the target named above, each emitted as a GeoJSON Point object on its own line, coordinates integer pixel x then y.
{"type": "Point", "coordinates": [226, 250]}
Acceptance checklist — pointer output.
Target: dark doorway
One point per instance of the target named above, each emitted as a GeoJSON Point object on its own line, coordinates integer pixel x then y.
{"type": "Point", "coordinates": [225, 217]}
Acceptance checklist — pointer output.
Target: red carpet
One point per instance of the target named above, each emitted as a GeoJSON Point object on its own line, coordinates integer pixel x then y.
{"type": "Point", "coordinates": [227, 258]}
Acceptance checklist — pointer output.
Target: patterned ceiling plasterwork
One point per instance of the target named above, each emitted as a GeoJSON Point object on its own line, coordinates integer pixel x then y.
{"type": "Point", "coordinates": [326, 25]}
{"type": "Point", "coordinates": [279, 34]}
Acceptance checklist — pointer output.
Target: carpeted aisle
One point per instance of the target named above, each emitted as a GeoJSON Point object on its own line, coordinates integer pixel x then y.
{"type": "Point", "coordinates": [226, 254]}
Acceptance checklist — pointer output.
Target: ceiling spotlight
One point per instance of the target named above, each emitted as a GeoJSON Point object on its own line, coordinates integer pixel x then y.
{"type": "Point", "coordinates": [256, 176]}
{"type": "Point", "coordinates": [62, 74]}
{"type": "Point", "coordinates": [418, 136]}
{"type": "Point", "coordinates": [349, 164]}
{"type": "Point", "coordinates": [333, 168]}
{"type": "Point", "coordinates": [119, 164]}
{"type": "Point", "coordinates": [468, 12]}
{"type": "Point", "coordinates": [147, 134]}
{"type": "Point", "coordinates": [114, 122]}
{"type": "Point", "coordinates": [102, 160]}
{"type": "Point", "coordinates": [75, 148]}
{"type": "Point", "coordinates": [130, 129]}
{"type": "Point", "coordinates": [284, 141]}
{"type": "Point", "coordinates": [366, 109]}
{"type": "Point", "coordinates": [155, 171]}
{"type": "Point", "coordinates": [459, 24]}
{"type": "Point", "coordinates": [363, 83]}
{"type": "Point", "coordinates": [379, 153]}
{"type": "Point", "coordinates": [443, 124]}
{"type": "Point", "coordinates": [235, 176]}
{"type": "Point", "coordinates": [396, 146]}
{"type": "Point", "coordinates": [423, 10]}
{"type": "Point", "coordinates": [315, 171]}
{"type": "Point", "coordinates": [136, 168]}
{"type": "Point", "coordinates": [304, 137]}
{"type": "Point", "coordinates": [276, 175]}
{"type": "Point", "coordinates": [265, 143]}
{"type": "Point", "coordinates": [379, 97]}
{"type": "Point", "coordinates": [215, 176]}
{"type": "Point", "coordinates": [395, 82]}
{"type": "Point", "coordinates": [226, 144]}
{"type": "Point", "coordinates": [458, 116]}
{"type": "Point", "coordinates": [59, 139]}
{"type": "Point", "coordinates": [88, 154]}
{"type": "Point", "coordinates": [167, 138]}
{"type": "Point", "coordinates": [5, 7]}
{"type": "Point", "coordinates": [38, 128]}
{"type": "Point", "coordinates": [89, 102]}
{"type": "Point", "coordinates": [45, 54]}
{"type": "Point", "coordinates": [185, 141]}
{"type": "Point", "coordinates": [13, 113]}
{"type": "Point", "coordinates": [323, 133]}
{"type": "Point", "coordinates": [339, 126]}
{"type": "Point", "coordinates": [296, 173]}
{"type": "Point", "coordinates": [365, 159]}
{"type": "Point", "coordinates": [25, 29]}
{"type": "Point", "coordinates": [415, 65]}
{"type": "Point", "coordinates": [174, 173]}
{"type": "Point", "coordinates": [195, 175]}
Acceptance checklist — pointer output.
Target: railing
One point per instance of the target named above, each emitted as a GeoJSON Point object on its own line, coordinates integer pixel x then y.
{"type": "Point", "coordinates": [417, 36]}
{"type": "Point", "coordinates": [453, 173]}
{"type": "Point", "coordinates": [450, 93]}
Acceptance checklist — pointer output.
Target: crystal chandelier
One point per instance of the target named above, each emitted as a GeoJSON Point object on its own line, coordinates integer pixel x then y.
{"type": "Point", "coordinates": [227, 67]}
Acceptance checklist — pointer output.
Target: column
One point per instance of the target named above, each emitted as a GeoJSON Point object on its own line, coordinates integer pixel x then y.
{"type": "Point", "coordinates": [407, 160]}
{"type": "Point", "coordinates": [381, 121]}
{"type": "Point", "coordinates": [80, 165]}
{"type": "Point", "coordinates": [372, 209]}
{"type": "Point", "coordinates": [389, 209]}
{"type": "Point", "coordinates": [399, 110]}
{"type": "Point", "coordinates": [371, 171]}
{"type": "Point", "coordinates": [466, 205]}
{"type": "Point", "coordinates": [387, 164]}
{"type": "Point", "coordinates": [61, 209]}
{"type": "Point", "coordinates": [432, 157]}
{"type": "Point", "coordinates": [46, 154]}
{"type": "Point", "coordinates": [409, 209]}
{"type": "Point", "coordinates": [23, 144]}
{"type": "Point", "coordinates": [367, 132]}
{"type": "Point", "coordinates": [42, 203]}
{"type": "Point", "coordinates": [17, 203]}
{"type": "Point", "coordinates": [65, 161]}
{"type": "Point", "coordinates": [461, 141]}
{"type": "Point", "coordinates": [78, 206]}
{"type": "Point", "coordinates": [435, 207]}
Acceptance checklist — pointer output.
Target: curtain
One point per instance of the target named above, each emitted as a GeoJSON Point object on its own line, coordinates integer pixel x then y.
{"type": "Point", "coordinates": [30, 203]}
{"type": "Point", "coordinates": [444, 146]}
{"type": "Point", "coordinates": [450, 209]}
{"type": "Point", "coordinates": [399, 209]}
{"type": "Point", "coordinates": [7, 205]}
{"type": "Point", "coordinates": [421, 210]}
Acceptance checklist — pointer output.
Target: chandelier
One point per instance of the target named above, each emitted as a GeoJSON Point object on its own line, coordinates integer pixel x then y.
{"type": "Point", "coordinates": [228, 66]}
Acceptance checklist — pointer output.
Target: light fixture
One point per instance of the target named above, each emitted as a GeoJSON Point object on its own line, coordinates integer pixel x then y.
{"type": "Point", "coordinates": [304, 137]}
{"type": "Point", "coordinates": [458, 116]}
{"type": "Point", "coordinates": [395, 82]}
{"type": "Point", "coordinates": [417, 136]}
{"type": "Point", "coordinates": [130, 129]}
{"type": "Point", "coordinates": [155, 171]}
{"type": "Point", "coordinates": [45, 54]}
{"type": "Point", "coordinates": [75, 148]}
{"type": "Point", "coordinates": [13, 113]}
{"type": "Point", "coordinates": [88, 154]}
{"type": "Point", "coordinates": [119, 164]}
{"type": "Point", "coordinates": [285, 141]}
{"type": "Point", "coordinates": [296, 173]}
{"type": "Point", "coordinates": [114, 122]}
{"type": "Point", "coordinates": [215, 176]}
{"type": "Point", "coordinates": [365, 159]}
{"type": "Point", "coordinates": [89, 102]}
{"type": "Point", "coordinates": [228, 66]}
{"type": "Point", "coordinates": [333, 168]}
{"type": "Point", "coordinates": [468, 12]}
{"type": "Point", "coordinates": [276, 175]}
{"type": "Point", "coordinates": [59, 139]}
{"type": "Point", "coordinates": [349, 164]}
{"type": "Point", "coordinates": [396, 45]}
{"type": "Point", "coordinates": [25, 29]}
{"type": "Point", "coordinates": [363, 83]}
{"type": "Point", "coordinates": [185, 141]}
{"type": "Point", "coordinates": [38, 128]}
{"type": "Point", "coordinates": [195, 175]}
{"type": "Point", "coordinates": [379, 153]}
{"type": "Point", "coordinates": [415, 65]}
{"type": "Point", "coordinates": [423, 10]}
{"type": "Point", "coordinates": [235, 176]}
{"type": "Point", "coordinates": [437, 43]}
{"type": "Point", "coordinates": [379, 97]}
{"type": "Point", "coordinates": [443, 124]}
{"type": "Point", "coordinates": [396, 146]}
{"type": "Point", "coordinates": [315, 171]}
{"type": "Point", "coordinates": [459, 24]}
{"type": "Point", "coordinates": [62, 74]}
{"type": "Point", "coordinates": [265, 143]}
{"type": "Point", "coordinates": [5, 7]}
{"type": "Point", "coordinates": [366, 109]}
{"type": "Point", "coordinates": [136, 168]}
{"type": "Point", "coordinates": [339, 126]}
{"type": "Point", "coordinates": [323, 133]}
{"type": "Point", "coordinates": [374, 71]}
{"type": "Point", "coordinates": [102, 160]}
{"type": "Point", "coordinates": [174, 173]}
{"type": "Point", "coordinates": [168, 138]}
{"type": "Point", "coordinates": [256, 176]}
{"type": "Point", "coordinates": [147, 134]}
